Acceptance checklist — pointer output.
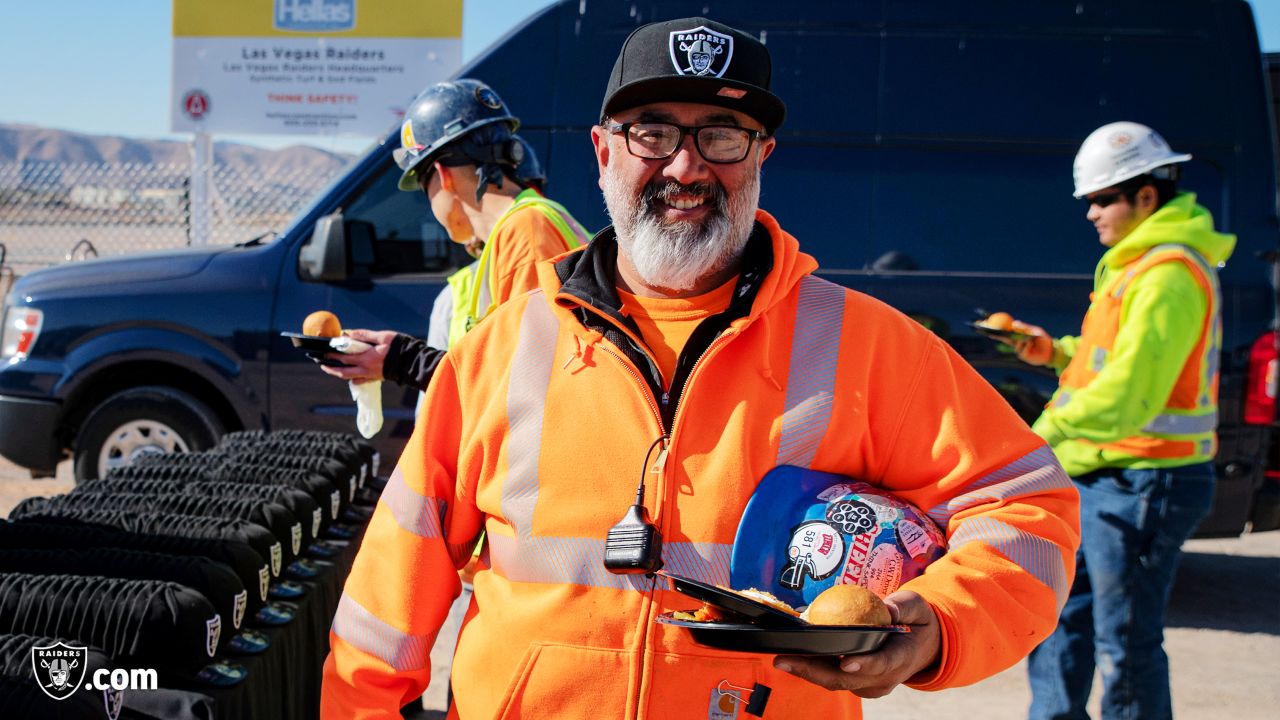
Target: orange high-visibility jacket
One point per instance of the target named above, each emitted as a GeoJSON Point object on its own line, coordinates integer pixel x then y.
{"type": "Point", "coordinates": [536, 429]}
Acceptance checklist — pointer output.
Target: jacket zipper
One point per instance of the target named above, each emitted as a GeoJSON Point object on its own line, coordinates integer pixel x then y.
{"type": "Point", "coordinates": [659, 467]}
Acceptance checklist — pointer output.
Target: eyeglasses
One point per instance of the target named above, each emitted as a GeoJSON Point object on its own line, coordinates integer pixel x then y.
{"type": "Point", "coordinates": [1103, 199]}
{"type": "Point", "coordinates": [721, 144]}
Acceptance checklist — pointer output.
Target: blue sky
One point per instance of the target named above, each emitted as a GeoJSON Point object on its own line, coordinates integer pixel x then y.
{"type": "Point", "coordinates": [103, 66]}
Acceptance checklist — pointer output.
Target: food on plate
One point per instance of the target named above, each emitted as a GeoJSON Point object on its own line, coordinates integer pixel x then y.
{"type": "Point", "coordinates": [847, 605]}
{"type": "Point", "coordinates": [766, 598]}
{"type": "Point", "coordinates": [706, 613]}
{"type": "Point", "coordinates": [322, 323]}
{"type": "Point", "coordinates": [999, 321]}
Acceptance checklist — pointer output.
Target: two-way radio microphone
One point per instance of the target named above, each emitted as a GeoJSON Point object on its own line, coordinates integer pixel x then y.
{"type": "Point", "coordinates": [634, 545]}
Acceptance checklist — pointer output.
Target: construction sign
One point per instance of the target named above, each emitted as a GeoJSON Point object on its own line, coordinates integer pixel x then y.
{"type": "Point", "coordinates": [301, 67]}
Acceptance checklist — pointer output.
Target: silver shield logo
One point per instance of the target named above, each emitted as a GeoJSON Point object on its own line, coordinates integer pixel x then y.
{"type": "Point", "coordinates": [237, 613]}
{"type": "Point", "coordinates": [212, 631]}
{"type": "Point", "coordinates": [295, 537]}
{"type": "Point", "coordinates": [113, 703]}
{"type": "Point", "coordinates": [59, 669]}
{"type": "Point", "coordinates": [701, 52]}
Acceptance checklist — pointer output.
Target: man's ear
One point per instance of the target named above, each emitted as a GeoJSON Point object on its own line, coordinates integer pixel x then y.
{"type": "Point", "coordinates": [766, 148]}
{"type": "Point", "coordinates": [600, 141]}
{"type": "Point", "coordinates": [1147, 199]}
{"type": "Point", "coordinates": [446, 177]}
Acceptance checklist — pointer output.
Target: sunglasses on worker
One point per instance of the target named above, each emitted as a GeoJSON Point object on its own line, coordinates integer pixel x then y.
{"type": "Point", "coordinates": [721, 144]}
{"type": "Point", "coordinates": [1103, 199]}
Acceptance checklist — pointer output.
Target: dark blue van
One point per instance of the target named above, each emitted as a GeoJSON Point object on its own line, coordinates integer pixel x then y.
{"type": "Point", "coordinates": [926, 160]}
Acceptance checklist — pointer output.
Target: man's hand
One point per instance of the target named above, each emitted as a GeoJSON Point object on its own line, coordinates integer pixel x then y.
{"type": "Point", "coordinates": [364, 366]}
{"type": "Point", "coordinates": [1035, 350]}
{"type": "Point", "coordinates": [876, 674]}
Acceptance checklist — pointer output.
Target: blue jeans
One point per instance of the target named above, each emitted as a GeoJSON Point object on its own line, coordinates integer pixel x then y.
{"type": "Point", "coordinates": [1132, 526]}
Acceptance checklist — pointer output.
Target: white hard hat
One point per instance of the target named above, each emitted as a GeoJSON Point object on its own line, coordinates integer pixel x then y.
{"type": "Point", "coordinates": [1119, 151]}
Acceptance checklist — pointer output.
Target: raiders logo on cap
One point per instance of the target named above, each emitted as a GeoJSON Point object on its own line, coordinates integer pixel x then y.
{"type": "Point", "coordinates": [700, 51]}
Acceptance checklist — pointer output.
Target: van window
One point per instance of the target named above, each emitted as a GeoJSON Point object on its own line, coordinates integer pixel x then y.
{"type": "Point", "coordinates": [405, 236]}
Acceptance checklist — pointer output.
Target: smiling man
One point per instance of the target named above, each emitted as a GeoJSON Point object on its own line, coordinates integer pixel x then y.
{"type": "Point", "coordinates": [1133, 422]}
{"type": "Point", "coordinates": [688, 345]}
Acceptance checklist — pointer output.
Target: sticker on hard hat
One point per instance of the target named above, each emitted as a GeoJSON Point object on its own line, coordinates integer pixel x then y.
{"type": "Point", "coordinates": [488, 98]}
{"type": "Point", "coordinates": [804, 531]}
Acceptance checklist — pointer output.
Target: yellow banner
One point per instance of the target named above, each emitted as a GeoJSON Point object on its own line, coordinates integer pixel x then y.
{"type": "Point", "coordinates": [318, 18]}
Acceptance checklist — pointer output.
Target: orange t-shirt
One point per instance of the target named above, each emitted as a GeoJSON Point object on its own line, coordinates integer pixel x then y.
{"type": "Point", "coordinates": [666, 323]}
{"type": "Point", "coordinates": [519, 242]}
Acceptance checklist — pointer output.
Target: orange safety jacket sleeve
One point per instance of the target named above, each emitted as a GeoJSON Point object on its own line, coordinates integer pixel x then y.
{"type": "Point", "coordinates": [424, 529]}
{"type": "Point", "coordinates": [1162, 315]}
{"type": "Point", "coordinates": [958, 451]}
{"type": "Point", "coordinates": [521, 240]}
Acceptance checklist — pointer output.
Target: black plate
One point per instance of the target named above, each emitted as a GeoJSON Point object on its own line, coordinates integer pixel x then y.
{"type": "Point", "coordinates": [801, 640]}
{"type": "Point", "coordinates": [312, 343]}
{"type": "Point", "coordinates": [315, 347]}
{"type": "Point", "coordinates": [733, 603]}
{"type": "Point", "coordinates": [998, 334]}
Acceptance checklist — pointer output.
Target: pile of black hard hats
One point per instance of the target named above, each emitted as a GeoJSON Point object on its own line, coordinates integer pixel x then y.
{"type": "Point", "coordinates": [181, 563]}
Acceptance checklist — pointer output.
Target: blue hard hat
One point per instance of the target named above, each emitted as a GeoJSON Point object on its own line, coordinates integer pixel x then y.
{"type": "Point", "coordinates": [448, 112]}
{"type": "Point", "coordinates": [804, 531]}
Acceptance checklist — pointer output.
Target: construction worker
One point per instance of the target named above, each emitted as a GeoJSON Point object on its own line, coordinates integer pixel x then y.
{"type": "Point", "coordinates": [458, 146]}
{"type": "Point", "coordinates": [444, 323]}
{"type": "Point", "coordinates": [1133, 422]}
{"type": "Point", "coordinates": [689, 345]}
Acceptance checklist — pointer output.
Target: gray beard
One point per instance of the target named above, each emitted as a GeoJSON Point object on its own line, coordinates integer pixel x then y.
{"type": "Point", "coordinates": [676, 256]}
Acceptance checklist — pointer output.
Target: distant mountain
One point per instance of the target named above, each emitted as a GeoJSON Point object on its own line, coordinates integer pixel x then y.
{"type": "Point", "coordinates": [21, 143]}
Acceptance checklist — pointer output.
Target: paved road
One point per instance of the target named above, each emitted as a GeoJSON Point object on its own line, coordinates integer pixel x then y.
{"type": "Point", "coordinates": [1223, 638]}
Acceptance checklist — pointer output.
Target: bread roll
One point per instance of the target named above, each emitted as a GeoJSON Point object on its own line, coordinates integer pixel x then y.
{"type": "Point", "coordinates": [999, 321]}
{"type": "Point", "coordinates": [848, 605]}
{"type": "Point", "coordinates": [322, 323]}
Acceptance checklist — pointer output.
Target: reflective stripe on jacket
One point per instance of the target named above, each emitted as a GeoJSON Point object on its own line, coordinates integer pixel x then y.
{"type": "Point", "coordinates": [540, 421]}
{"type": "Point", "coordinates": [485, 293]}
{"type": "Point", "coordinates": [1185, 427]}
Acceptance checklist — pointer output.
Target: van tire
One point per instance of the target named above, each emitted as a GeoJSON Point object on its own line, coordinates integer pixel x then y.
{"type": "Point", "coordinates": [142, 420]}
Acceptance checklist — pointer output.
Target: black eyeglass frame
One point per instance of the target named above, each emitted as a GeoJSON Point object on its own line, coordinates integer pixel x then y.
{"type": "Point", "coordinates": [685, 131]}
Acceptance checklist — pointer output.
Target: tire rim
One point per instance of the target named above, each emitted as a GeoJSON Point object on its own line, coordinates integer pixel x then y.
{"type": "Point", "coordinates": [135, 439]}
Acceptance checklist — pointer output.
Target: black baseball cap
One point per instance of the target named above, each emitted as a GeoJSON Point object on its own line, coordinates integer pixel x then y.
{"type": "Point", "coordinates": [694, 60]}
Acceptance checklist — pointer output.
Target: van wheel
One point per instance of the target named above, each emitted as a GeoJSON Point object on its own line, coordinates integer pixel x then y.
{"type": "Point", "coordinates": [142, 421]}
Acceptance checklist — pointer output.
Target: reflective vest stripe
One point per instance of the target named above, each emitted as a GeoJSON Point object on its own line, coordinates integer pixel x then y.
{"type": "Point", "coordinates": [414, 513]}
{"type": "Point", "coordinates": [1182, 424]}
{"type": "Point", "coordinates": [369, 634]}
{"type": "Point", "coordinates": [526, 403]}
{"type": "Point", "coordinates": [580, 561]}
{"type": "Point", "coordinates": [1037, 471]}
{"type": "Point", "coordinates": [1034, 554]}
{"type": "Point", "coordinates": [811, 380]}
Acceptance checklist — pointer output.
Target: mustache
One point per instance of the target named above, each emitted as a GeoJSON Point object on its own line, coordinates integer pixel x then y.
{"type": "Point", "coordinates": [664, 191]}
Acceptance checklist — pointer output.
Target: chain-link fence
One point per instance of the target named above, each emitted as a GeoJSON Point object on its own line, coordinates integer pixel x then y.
{"type": "Point", "coordinates": [51, 212]}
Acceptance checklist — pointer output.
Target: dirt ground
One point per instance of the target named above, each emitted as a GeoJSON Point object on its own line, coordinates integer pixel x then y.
{"type": "Point", "coordinates": [1223, 635]}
